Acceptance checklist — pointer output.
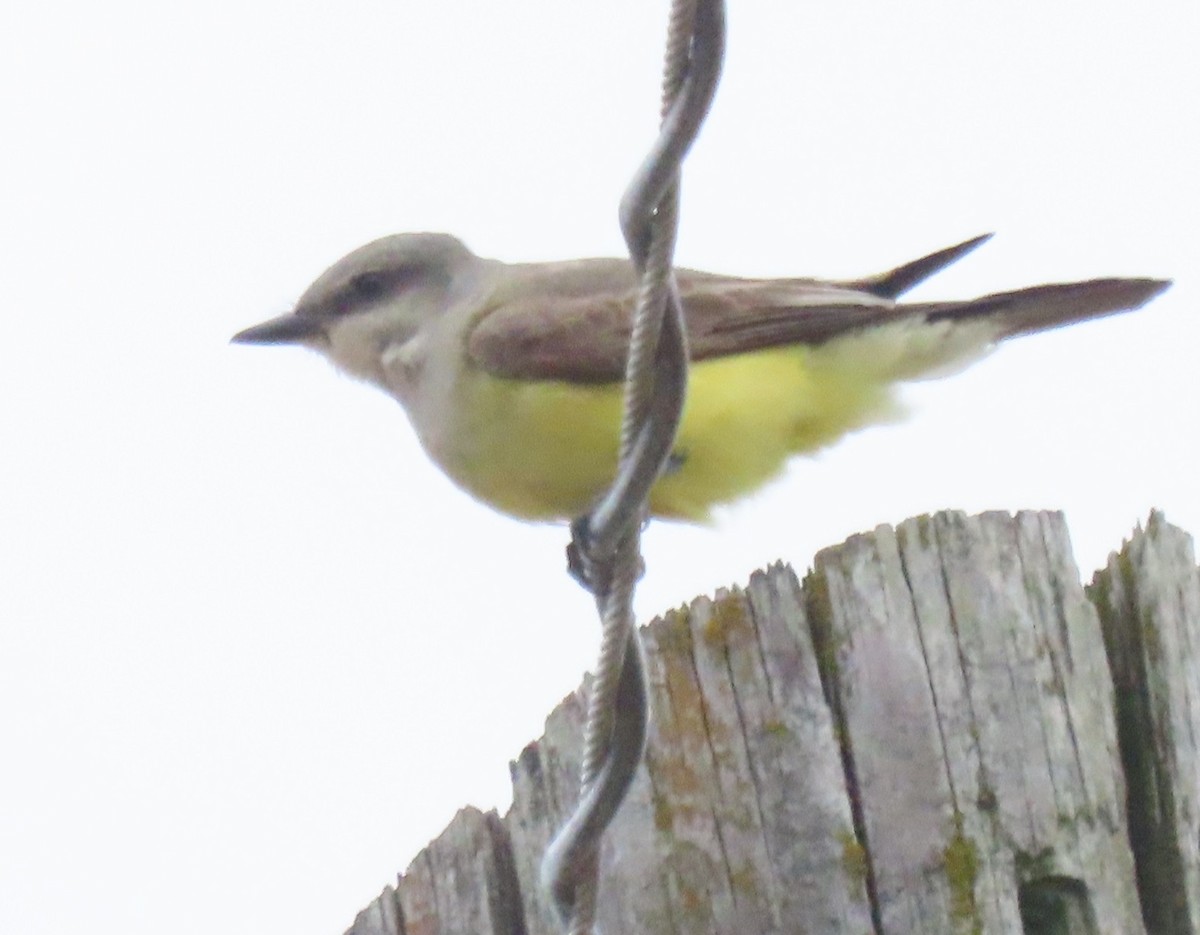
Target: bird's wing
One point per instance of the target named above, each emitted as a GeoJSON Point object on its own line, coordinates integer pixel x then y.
{"type": "Point", "coordinates": [580, 333]}
{"type": "Point", "coordinates": [585, 339]}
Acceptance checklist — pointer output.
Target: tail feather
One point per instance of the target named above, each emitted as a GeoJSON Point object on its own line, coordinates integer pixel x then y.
{"type": "Point", "coordinates": [1040, 308]}
{"type": "Point", "coordinates": [899, 280]}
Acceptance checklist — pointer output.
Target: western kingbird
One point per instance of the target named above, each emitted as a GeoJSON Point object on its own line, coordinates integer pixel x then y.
{"type": "Point", "coordinates": [512, 374]}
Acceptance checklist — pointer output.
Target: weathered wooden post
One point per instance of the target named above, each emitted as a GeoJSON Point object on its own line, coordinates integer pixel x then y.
{"type": "Point", "coordinates": [939, 730]}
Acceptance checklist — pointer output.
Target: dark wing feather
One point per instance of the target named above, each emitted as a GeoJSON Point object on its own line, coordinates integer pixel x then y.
{"type": "Point", "coordinates": [740, 317]}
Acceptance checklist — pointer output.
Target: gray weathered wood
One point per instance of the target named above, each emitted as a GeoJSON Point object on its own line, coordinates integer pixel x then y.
{"type": "Point", "coordinates": [970, 677]}
{"type": "Point", "coordinates": [1149, 600]}
{"type": "Point", "coordinates": [921, 738]}
{"type": "Point", "coordinates": [725, 829]}
{"type": "Point", "coordinates": [381, 917]}
{"type": "Point", "coordinates": [462, 882]}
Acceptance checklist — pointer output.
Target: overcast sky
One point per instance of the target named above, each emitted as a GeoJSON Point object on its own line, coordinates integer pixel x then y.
{"type": "Point", "coordinates": [254, 649]}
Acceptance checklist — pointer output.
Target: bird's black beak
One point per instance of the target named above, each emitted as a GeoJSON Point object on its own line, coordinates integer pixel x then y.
{"type": "Point", "coordinates": [286, 329]}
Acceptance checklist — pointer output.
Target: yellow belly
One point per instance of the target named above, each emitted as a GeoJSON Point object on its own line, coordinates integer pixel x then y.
{"type": "Point", "coordinates": [547, 450]}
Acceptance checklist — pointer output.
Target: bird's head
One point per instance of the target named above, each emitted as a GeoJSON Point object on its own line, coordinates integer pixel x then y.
{"type": "Point", "coordinates": [375, 298]}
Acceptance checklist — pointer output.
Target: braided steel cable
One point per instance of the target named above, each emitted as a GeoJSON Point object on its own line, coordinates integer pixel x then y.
{"type": "Point", "coordinates": [605, 551]}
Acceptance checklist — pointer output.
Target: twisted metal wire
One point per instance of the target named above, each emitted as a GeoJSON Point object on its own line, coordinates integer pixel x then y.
{"type": "Point", "coordinates": [607, 541]}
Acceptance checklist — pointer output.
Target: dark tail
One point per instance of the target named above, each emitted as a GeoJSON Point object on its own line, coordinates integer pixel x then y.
{"type": "Point", "coordinates": [1040, 308]}
{"type": "Point", "coordinates": [894, 282]}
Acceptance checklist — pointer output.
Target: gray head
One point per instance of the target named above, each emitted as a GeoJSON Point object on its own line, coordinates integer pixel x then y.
{"type": "Point", "coordinates": [377, 295]}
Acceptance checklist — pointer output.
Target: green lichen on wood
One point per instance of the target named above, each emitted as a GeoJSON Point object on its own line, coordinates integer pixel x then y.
{"type": "Point", "coordinates": [926, 534]}
{"type": "Point", "coordinates": [961, 862]}
{"type": "Point", "coordinates": [664, 814]}
{"type": "Point", "coordinates": [854, 860]}
{"type": "Point", "coordinates": [776, 728]}
{"type": "Point", "coordinates": [727, 618]}
{"type": "Point", "coordinates": [745, 882]}
{"type": "Point", "coordinates": [819, 609]}
{"type": "Point", "coordinates": [673, 632]}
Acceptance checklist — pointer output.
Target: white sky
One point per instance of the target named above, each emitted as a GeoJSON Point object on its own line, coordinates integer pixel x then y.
{"type": "Point", "coordinates": [254, 649]}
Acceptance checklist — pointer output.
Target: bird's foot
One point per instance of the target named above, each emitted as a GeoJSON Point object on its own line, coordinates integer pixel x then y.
{"type": "Point", "coordinates": [593, 571]}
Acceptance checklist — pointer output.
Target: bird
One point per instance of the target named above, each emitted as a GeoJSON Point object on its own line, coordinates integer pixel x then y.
{"type": "Point", "coordinates": [511, 374]}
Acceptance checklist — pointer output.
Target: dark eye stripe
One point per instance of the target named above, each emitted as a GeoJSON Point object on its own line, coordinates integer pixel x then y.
{"type": "Point", "coordinates": [370, 286]}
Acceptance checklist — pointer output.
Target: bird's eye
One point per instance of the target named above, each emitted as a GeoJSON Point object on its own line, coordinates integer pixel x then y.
{"type": "Point", "coordinates": [369, 286]}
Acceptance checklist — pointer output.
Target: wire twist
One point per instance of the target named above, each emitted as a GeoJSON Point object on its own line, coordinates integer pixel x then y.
{"type": "Point", "coordinates": [605, 550]}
